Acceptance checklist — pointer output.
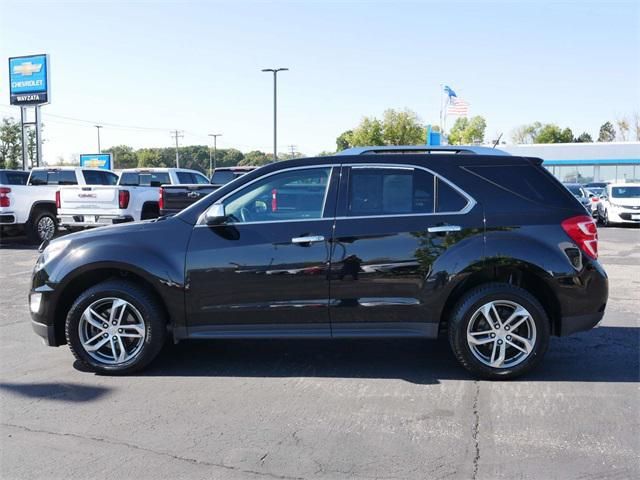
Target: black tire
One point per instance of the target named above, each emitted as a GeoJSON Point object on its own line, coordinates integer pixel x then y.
{"type": "Point", "coordinates": [42, 226]}
{"type": "Point", "coordinates": [605, 220]}
{"type": "Point", "coordinates": [463, 314]}
{"type": "Point", "coordinates": [146, 304]}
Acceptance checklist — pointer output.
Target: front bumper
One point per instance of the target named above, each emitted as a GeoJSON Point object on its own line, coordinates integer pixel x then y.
{"type": "Point", "coordinates": [624, 215]}
{"type": "Point", "coordinates": [580, 323]}
{"type": "Point", "coordinates": [84, 221]}
{"type": "Point", "coordinates": [41, 307]}
{"type": "Point", "coordinates": [46, 332]}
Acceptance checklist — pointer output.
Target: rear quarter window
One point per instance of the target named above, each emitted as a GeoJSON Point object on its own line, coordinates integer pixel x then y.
{"type": "Point", "coordinates": [521, 182]}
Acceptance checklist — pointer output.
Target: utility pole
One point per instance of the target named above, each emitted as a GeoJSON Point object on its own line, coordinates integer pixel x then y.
{"type": "Point", "coordinates": [177, 134]}
{"type": "Point", "coordinates": [293, 150]}
{"type": "Point", "coordinates": [275, 108]}
{"type": "Point", "coordinates": [98, 127]}
{"type": "Point", "coordinates": [215, 149]}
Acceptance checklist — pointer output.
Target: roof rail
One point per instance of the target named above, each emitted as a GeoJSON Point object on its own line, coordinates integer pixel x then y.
{"type": "Point", "coordinates": [427, 149]}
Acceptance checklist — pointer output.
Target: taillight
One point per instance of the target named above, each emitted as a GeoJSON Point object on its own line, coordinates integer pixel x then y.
{"type": "Point", "coordinates": [57, 198]}
{"type": "Point", "coordinates": [582, 230]}
{"type": "Point", "coordinates": [594, 199]}
{"type": "Point", "coordinates": [161, 199]}
{"type": "Point", "coordinates": [5, 201]}
{"type": "Point", "coordinates": [123, 198]}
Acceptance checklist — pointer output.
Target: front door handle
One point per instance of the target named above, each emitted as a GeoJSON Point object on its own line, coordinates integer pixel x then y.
{"type": "Point", "coordinates": [444, 228]}
{"type": "Point", "coordinates": [309, 239]}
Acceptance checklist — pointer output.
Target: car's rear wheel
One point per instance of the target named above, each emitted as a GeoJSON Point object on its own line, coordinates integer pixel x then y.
{"type": "Point", "coordinates": [499, 331]}
{"type": "Point", "coordinates": [115, 327]}
{"type": "Point", "coordinates": [42, 226]}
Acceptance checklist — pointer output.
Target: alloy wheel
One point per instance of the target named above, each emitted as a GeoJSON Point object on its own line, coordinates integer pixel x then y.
{"type": "Point", "coordinates": [46, 228]}
{"type": "Point", "coordinates": [501, 334]}
{"type": "Point", "coordinates": [112, 331]}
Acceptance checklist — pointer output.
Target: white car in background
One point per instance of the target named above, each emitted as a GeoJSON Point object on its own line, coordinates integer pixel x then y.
{"type": "Point", "coordinates": [135, 197]}
{"type": "Point", "coordinates": [32, 206]}
{"type": "Point", "coordinates": [620, 203]}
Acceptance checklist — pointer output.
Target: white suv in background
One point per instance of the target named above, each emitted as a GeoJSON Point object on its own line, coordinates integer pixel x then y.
{"type": "Point", "coordinates": [620, 203]}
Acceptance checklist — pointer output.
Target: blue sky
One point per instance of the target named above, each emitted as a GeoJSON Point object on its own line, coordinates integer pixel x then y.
{"type": "Point", "coordinates": [196, 66]}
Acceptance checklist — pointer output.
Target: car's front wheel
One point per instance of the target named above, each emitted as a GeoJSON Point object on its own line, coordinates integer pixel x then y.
{"type": "Point", "coordinates": [115, 327]}
{"type": "Point", "coordinates": [499, 331]}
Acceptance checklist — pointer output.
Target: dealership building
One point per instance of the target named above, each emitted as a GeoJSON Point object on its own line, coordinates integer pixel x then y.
{"type": "Point", "coordinates": [586, 162]}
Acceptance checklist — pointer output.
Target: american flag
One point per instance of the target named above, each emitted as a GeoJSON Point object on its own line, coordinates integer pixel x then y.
{"type": "Point", "coordinates": [458, 107]}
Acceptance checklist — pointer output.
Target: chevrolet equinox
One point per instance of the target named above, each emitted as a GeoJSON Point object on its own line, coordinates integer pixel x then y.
{"type": "Point", "coordinates": [489, 250]}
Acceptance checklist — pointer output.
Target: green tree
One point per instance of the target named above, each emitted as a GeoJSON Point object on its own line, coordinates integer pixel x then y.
{"type": "Point", "coordinates": [256, 158]}
{"type": "Point", "coordinates": [584, 138]}
{"type": "Point", "coordinates": [551, 133]}
{"type": "Point", "coordinates": [402, 128]}
{"type": "Point", "coordinates": [344, 140]}
{"type": "Point", "coordinates": [229, 157]}
{"type": "Point", "coordinates": [151, 157]}
{"type": "Point", "coordinates": [123, 156]}
{"type": "Point", "coordinates": [10, 144]}
{"type": "Point", "coordinates": [369, 132]}
{"type": "Point", "coordinates": [325, 153]}
{"type": "Point", "coordinates": [607, 133]}
{"type": "Point", "coordinates": [468, 131]}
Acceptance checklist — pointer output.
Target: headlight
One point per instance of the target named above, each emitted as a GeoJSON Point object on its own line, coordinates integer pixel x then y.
{"type": "Point", "coordinates": [53, 250]}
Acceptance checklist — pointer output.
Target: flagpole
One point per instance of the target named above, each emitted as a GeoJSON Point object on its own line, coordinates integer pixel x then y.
{"type": "Point", "coordinates": [441, 107]}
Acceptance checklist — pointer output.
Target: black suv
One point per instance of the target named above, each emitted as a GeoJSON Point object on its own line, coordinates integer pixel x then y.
{"type": "Point", "coordinates": [489, 250]}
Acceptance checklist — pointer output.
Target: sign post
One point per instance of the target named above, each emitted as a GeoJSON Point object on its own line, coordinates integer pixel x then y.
{"type": "Point", "coordinates": [29, 89]}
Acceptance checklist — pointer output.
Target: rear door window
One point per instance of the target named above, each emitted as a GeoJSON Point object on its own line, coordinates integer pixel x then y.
{"type": "Point", "coordinates": [390, 191]}
{"type": "Point", "coordinates": [14, 178]}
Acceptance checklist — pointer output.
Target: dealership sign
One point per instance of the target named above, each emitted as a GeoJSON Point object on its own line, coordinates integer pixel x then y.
{"type": "Point", "coordinates": [96, 160]}
{"type": "Point", "coordinates": [29, 80]}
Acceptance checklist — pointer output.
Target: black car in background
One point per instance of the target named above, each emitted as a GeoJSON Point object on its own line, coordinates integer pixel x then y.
{"type": "Point", "coordinates": [578, 191]}
{"type": "Point", "coordinates": [491, 251]}
{"type": "Point", "coordinates": [175, 198]}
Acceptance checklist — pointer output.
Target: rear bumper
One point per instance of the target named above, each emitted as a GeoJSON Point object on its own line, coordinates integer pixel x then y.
{"type": "Point", "coordinates": [92, 220]}
{"type": "Point", "coordinates": [8, 218]}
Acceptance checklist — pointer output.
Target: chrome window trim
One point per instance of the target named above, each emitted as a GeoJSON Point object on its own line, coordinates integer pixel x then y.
{"type": "Point", "coordinates": [201, 223]}
{"type": "Point", "coordinates": [471, 202]}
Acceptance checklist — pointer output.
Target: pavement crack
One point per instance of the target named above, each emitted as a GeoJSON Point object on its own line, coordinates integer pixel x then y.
{"type": "Point", "coordinates": [193, 461]}
{"type": "Point", "coordinates": [476, 430]}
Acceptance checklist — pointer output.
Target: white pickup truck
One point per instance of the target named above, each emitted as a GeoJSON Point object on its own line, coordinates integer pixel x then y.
{"type": "Point", "coordinates": [135, 197]}
{"type": "Point", "coordinates": [32, 206]}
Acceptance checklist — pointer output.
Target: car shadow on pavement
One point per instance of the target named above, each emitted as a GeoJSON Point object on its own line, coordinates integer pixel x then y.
{"type": "Point", "coordinates": [606, 354]}
{"type": "Point", "coordinates": [63, 392]}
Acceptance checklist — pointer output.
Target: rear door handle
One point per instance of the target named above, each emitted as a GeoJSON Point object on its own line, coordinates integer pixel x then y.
{"type": "Point", "coordinates": [444, 228]}
{"type": "Point", "coordinates": [309, 239]}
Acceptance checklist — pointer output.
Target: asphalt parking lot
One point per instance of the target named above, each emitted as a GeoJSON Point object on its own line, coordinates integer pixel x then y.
{"type": "Point", "coordinates": [322, 409]}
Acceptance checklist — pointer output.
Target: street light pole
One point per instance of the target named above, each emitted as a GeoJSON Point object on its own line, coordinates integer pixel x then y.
{"type": "Point", "coordinates": [215, 149]}
{"type": "Point", "coordinates": [98, 127]}
{"type": "Point", "coordinates": [275, 108]}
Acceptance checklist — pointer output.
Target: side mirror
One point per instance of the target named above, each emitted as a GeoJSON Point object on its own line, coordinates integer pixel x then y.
{"type": "Point", "coordinates": [215, 215]}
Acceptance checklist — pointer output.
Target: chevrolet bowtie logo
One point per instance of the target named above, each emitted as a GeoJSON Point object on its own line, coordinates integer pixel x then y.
{"type": "Point", "coordinates": [27, 68]}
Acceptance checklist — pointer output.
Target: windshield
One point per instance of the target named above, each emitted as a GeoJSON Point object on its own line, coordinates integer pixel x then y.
{"type": "Point", "coordinates": [625, 192]}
